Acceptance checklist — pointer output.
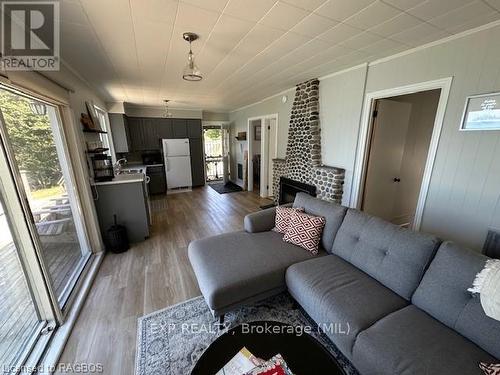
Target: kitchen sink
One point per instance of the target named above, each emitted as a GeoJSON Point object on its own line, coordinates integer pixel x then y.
{"type": "Point", "coordinates": [130, 171]}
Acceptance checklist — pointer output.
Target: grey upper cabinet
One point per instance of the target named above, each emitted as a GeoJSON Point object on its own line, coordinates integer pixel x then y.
{"type": "Point", "coordinates": [179, 126]}
{"type": "Point", "coordinates": [197, 166]}
{"type": "Point", "coordinates": [150, 136]}
{"type": "Point", "coordinates": [164, 128]}
{"type": "Point", "coordinates": [194, 128]}
{"type": "Point", "coordinates": [137, 140]}
{"type": "Point", "coordinates": [120, 132]}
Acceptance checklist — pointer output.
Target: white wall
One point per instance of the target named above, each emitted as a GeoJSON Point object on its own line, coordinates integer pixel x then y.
{"type": "Point", "coordinates": [464, 195]}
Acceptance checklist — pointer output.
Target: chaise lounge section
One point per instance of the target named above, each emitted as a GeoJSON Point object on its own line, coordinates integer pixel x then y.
{"type": "Point", "coordinates": [392, 300]}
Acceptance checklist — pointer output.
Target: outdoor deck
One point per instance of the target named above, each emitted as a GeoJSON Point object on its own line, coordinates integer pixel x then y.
{"type": "Point", "coordinates": [17, 313]}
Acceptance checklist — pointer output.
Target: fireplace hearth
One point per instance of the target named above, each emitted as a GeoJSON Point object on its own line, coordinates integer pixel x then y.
{"type": "Point", "coordinates": [289, 189]}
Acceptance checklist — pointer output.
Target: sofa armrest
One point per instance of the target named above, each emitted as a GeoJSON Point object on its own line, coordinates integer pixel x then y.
{"type": "Point", "coordinates": [260, 221]}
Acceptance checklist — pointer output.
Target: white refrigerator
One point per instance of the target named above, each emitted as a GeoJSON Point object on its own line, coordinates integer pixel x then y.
{"type": "Point", "coordinates": [177, 160]}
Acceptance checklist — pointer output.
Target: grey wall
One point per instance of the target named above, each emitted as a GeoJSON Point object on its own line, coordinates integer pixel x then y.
{"type": "Point", "coordinates": [464, 195]}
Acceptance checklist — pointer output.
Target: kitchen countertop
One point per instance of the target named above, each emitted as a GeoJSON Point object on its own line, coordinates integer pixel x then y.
{"type": "Point", "coordinates": [123, 179]}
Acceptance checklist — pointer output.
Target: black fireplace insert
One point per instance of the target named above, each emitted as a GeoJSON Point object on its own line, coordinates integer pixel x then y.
{"type": "Point", "coordinates": [289, 189]}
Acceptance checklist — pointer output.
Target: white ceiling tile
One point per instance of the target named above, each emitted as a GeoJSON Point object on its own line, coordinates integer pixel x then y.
{"type": "Point", "coordinates": [255, 41]}
{"type": "Point", "coordinates": [403, 4]}
{"type": "Point", "coordinates": [373, 15]}
{"type": "Point", "coordinates": [192, 17]}
{"type": "Point", "coordinates": [395, 25]}
{"type": "Point", "coordinates": [339, 34]}
{"type": "Point", "coordinates": [283, 16]}
{"type": "Point", "coordinates": [435, 8]}
{"type": "Point", "coordinates": [494, 3]}
{"type": "Point", "coordinates": [475, 22]}
{"type": "Point", "coordinates": [306, 4]}
{"type": "Point", "coordinates": [420, 34]}
{"type": "Point", "coordinates": [227, 33]}
{"type": "Point", "coordinates": [313, 25]}
{"type": "Point", "coordinates": [161, 11]}
{"type": "Point", "coordinates": [361, 40]}
{"type": "Point", "coordinates": [249, 10]}
{"type": "Point", "coordinates": [462, 15]}
{"type": "Point", "coordinates": [217, 5]}
{"type": "Point", "coordinates": [73, 13]}
{"type": "Point", "coordinates": [340, 10]}
{"type": "Point", "coordinates": [383, 46]}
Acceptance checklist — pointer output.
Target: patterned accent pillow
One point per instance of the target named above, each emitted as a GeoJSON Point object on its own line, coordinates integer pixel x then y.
{"type": "Point", "coordinates": [490, 368]}
{"type": "Point", "coordinates": [283, 215]}
{"type": "Point", "coordinates": [305, 231]}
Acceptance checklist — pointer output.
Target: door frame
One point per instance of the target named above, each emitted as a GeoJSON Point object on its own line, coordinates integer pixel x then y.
{"type": "Point", "coordinates": [222, 125]}
{"type": "Point", "coordinates": [264, 157]}
{"type": "Point", "coordinates": [366, 126]}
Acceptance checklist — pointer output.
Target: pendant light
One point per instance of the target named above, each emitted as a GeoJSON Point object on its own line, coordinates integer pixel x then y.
{"type": "Point", "coordinates": [191, 71]}
{"type": "Point", "coordinates": [167, 114]}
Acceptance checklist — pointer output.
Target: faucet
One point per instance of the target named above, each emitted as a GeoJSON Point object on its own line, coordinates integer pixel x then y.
{"type": "Point", "coordinates": [118, 165]}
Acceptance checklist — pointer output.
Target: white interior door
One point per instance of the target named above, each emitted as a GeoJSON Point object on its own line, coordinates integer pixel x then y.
{"type": "Point", "coordinates": [384, 162]}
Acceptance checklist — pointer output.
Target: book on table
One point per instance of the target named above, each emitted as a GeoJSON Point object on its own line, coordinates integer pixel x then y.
{"type": "Point", "coordinates": [245, 363]}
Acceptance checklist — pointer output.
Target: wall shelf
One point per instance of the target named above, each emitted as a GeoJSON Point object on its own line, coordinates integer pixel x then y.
{"type": "Point", "coordinates": [86, 130]}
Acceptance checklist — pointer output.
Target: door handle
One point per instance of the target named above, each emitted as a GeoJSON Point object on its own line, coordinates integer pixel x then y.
{"type": "Point", "coordinates": [396, 179]}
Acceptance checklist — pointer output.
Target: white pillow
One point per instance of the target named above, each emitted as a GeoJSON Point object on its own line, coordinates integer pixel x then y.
{"type": "Point", "coordinates": [487, 284]}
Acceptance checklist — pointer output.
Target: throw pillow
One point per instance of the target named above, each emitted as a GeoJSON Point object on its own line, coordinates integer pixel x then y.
{"type": "Point", "coordinates": [487, 284]}
{"type": "Point", "coordinates": [283, 215]}
{"type": "Point", "coordinates": [305, 231]}
{"type": "Point", "coordinates": [490, 368]}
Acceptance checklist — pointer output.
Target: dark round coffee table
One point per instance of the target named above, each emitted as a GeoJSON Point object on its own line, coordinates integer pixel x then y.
{"type": "Point", "coordinates": [303, 353]}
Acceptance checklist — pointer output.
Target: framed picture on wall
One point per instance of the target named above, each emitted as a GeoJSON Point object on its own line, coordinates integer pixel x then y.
{"type": "Point", "coordinates": [482, 112]}
{"type": "Point", "coordinates": [258, 133]}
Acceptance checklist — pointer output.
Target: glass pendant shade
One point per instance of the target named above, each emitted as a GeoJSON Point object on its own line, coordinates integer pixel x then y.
{"type": "Point", "coordinates": [191, 71]}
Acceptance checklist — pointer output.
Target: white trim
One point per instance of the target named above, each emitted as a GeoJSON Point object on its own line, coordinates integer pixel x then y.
{"type": "Point", "coordinates": [215, 123]}
{"type": "Point", "coordinates": [365, 127]}
{"type": "Point", "coordinates": [343, 71]}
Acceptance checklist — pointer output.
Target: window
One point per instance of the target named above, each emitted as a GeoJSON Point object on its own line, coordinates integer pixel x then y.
{"type": "Point", "coordinates": [105, 138]}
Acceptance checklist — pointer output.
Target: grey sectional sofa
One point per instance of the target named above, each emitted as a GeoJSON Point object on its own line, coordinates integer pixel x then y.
{"type": "Point", "coordinates": [397, 299]}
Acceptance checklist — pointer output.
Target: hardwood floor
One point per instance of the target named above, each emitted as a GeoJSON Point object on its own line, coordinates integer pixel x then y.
{"type": "Point", "coordinates": [152, 275]}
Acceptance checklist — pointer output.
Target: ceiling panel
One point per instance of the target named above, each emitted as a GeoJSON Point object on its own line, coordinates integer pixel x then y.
{"type": "Point", "coordinates": [247, 50]}
{"type": "Point", "coordinates": [249, 10]}
{"type": "Point", "coordinates": [340, 10]}
{"type": "Point", "coordinates": [283, 16]}
{"type": "Point", "coordinates": [313, 25]}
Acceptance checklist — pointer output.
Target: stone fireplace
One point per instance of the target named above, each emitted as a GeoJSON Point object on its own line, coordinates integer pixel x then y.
{"type": "Point", "coordinates": [302, 162]}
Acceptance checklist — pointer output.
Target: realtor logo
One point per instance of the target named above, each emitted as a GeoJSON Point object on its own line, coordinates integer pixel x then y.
{"type": "Point", "coordinates": [30, 35]}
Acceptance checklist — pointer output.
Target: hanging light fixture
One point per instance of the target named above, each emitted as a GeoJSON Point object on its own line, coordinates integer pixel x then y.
{"type": "Point", "coordinates": [168, 114]}
{"type": "Point", "coordinates": [38, 108]}
{"type": "Point", "coordinates": [191, 71]}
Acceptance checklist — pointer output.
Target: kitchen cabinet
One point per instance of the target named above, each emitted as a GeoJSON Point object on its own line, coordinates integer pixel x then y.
{"type": "Point", "coordinates": [120, 131]}
{"type": "Point", "coordinates": [137, 140]}
{"type": "Point", "coordinates": [149, 133]}
{"type": "Point", "coordinates": [164, 128]}
{"type": "Point", "coordinates": [194, 129]}
{"type": "Point", "coordinates": [197, 165]}
{"type": "Point", "coordinates": [179, 128]}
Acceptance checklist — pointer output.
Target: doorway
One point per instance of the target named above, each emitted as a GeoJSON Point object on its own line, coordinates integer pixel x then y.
{"type": "Point", "coordinates": [216, 152]}
{"type": "Point", "coordinates": [397, 149]}
{"type": "Point", "coordinates": [262, 149]}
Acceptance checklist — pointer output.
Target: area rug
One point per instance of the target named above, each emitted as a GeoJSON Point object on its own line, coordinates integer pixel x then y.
{"type": "Point", "coordinates": [224, 188]}
{"type": "Point", "coordinates": [170, 341]}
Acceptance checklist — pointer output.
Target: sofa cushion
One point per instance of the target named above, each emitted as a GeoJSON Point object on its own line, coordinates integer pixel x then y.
{"type": "Point", "coordinates": [332, 212]}
{"type": "Point", "coordinates": [410, 342]}
{"type": "Point", "coordinates": [234, 267]}
{"type": "Point", "coordinates": [305, 231]}
{"type": "Point", "coordinates": [340, 298]}
{"type": "Point", "coordinates": [283, 217]}
{"type": "Point", "coordinates": [395, 256]}
{"type": "Point", "coordinates": [443, 294]}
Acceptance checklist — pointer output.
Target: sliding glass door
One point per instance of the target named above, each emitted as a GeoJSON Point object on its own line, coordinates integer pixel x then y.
{"type": "Point", "coordinates": [38, 157]}
{"type": "Point", "coordinates": [43, 239]}
{"type": "Point", "coordinates": [20, 323]}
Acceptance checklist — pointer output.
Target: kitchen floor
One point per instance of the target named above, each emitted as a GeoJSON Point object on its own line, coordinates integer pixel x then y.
{"type": "Point", "coordinates": [152, 275]}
